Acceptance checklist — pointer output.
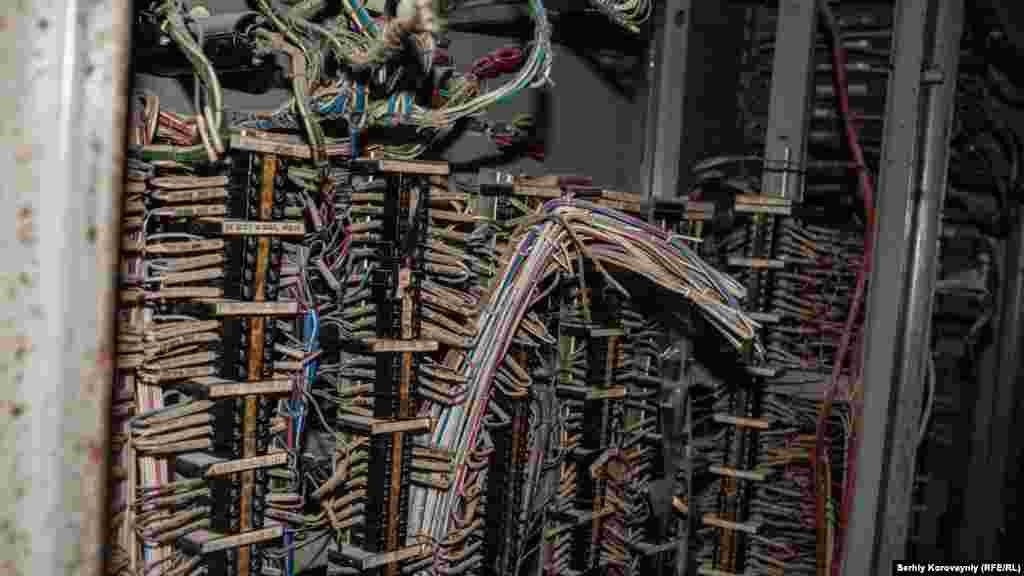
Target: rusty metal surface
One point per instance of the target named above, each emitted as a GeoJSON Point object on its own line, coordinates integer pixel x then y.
{"type": "Point", "coordinates": [61, 135]}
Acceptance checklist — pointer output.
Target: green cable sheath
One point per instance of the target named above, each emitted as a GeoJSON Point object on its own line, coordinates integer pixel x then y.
{"type": "Point", "coordinates": [175, 27]}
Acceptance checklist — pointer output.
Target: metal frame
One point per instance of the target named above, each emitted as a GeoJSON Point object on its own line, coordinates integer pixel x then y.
{"type": "Point", "coordinates": [792, 95]}
{"type": "Point", "coordinates": [667, 68]}
{"type": "Point", "coordinates": [984, 511]}
{"type": "Point", "coordinates": [911, 192]}
{"type": "Point", "coordinates": [63, 121]}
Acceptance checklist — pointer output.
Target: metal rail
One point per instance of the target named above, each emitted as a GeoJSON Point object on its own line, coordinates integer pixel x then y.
{"type": "Point", "coordinates": [664, 120]}
{"type": "Point", "coordinates": [791, 97]}
{"type": "Point", "coordinates": [912, 182]}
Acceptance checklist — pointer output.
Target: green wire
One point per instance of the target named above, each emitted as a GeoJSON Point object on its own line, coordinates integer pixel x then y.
{"type": "Point", "coordinates": [181, 154]}
{"type": "Point", "coordinates": [175, 27]}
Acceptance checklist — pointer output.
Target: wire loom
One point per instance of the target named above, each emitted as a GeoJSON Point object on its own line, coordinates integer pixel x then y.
{"type": "Point", "coordinates": [605, 236]}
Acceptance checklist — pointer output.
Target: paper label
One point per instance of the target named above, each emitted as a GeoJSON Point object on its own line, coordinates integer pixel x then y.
{"type": "Point", "coordinates": [234, 466]}
{"type": "Point", "coordinates": [235, 389]}
{"type": "Point", "coordinates": [404, 345]}
{"type": "Point", "coordinates": [192, 210]}
{"type": "Point", "coordinates": [256, 308]}
{"type": "Point", "coordinates": [186, 247]}
{"type": "Point", "coordinates": [244, 539]}
{"type": "Point", "coordinates": [392, 426]}
{"type": "Point", "coordinates": [198, 195]}
{"type": "Point", "coordinates": [253, 228]}
{"type": "Point", "coordinates": [189, 182]}
{"type": "Point", "coordinates": [181, 293]}
{"type": "Point", "coordinates": [180, 373]}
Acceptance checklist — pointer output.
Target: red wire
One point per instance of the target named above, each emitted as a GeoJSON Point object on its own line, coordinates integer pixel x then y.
{"type": "Point", "coordinates": [840, 83]}
{"type": "Point", "coordinates": [501, 61]}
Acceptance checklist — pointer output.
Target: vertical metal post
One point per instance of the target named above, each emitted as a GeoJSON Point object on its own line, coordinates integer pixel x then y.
{"type": "Point", "coordinates": [62, 122]}
{"type": "Point", "coordinates": [792, 95]}
{"type": "Point", "coordinates": [911, 193]}
{"type": "Point", "coordinates": [664, 118]}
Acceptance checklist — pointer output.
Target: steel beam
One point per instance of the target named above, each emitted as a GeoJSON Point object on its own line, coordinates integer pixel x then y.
{"type": "Point", "coordinates": [911, 192]}
{"type": "Point", "coordinates": [666, 100]}
{"type": "Point", "coordinates": [62, 125]}
{"type": "Point", "coordinates": [792, 95]}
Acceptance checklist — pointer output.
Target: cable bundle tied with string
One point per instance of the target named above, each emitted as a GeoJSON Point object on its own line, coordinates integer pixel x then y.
{"type": "Point", "coordinates": [536, 72]}
{"type": "Point", "coordinates": [175, 27]}
{"type": "Point", "coordinates": [565, 233]}
{"type": "Point", "coordinates": [179, 428]}
{"type": "Point", "coordinates": [629, 14]}
{"type": "Point", "coordinates": [377, 46]}
{"type": "Point", "coordinates": [372, 46]}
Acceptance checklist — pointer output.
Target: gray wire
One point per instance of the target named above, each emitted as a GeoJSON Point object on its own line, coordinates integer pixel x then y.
{"type": "Point", "coordinates": [926, 414]}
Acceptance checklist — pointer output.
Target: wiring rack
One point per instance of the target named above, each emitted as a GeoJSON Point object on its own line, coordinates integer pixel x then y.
{"type": "Point", "coordinates": [397, 349]}
{"type": "Point", "coordinates": [428, 306]}
{"type": "Point", "coordinates": [424, 373]}
{"type": "Point", "coordinates": [207, 254]}
{"type": "Point", "coordinates": [573, 432]}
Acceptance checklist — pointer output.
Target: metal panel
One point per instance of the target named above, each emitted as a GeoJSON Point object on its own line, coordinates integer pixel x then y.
{"type": "Point", "coordinates": [791, 97]}
{"type": "Point", "coordinates": [62, 119]}
{"type": "Point", "coordinates": [664, 119]}
{"type": "Point", "coordinates": [912, 189]}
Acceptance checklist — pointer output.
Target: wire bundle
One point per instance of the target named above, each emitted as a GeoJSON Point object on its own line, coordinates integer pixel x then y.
{"type": "Point", "coordinates": [811, 296]}
{"type": "Point", "coordinates": [360, 44]}
{"type": "Point", "coordinates": [536, 72]}
{"type": "Point", "coordinates": [630, 14]}
{"type": "Point", "coordinates": [784, 505]}
{"type": "Point", "coordinates": [569, 230]}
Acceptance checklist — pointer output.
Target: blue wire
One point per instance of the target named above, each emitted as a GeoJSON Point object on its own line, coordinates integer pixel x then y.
{"type": "Point", "coordinates": [297, 408]}
{"type": "Point", "coordinates": [289, 560]}
{"type": "Point", "coordinates": [340, 103]}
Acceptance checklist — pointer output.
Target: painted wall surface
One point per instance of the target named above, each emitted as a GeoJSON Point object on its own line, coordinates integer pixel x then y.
{"type": "Point", "coordinates": [61, 152]}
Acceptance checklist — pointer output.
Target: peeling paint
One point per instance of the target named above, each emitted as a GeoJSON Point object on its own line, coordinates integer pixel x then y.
{"type": "Point", "coordinates": [22, 348]}
{"type": "Point", "coordinates": [15, 543]}
{"type": "Point", "coordinates": [16, 409]}
{"type": "Point", "coordinates": [23, 224]}
{"type": "Point", "coordinates": [56, 278]}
